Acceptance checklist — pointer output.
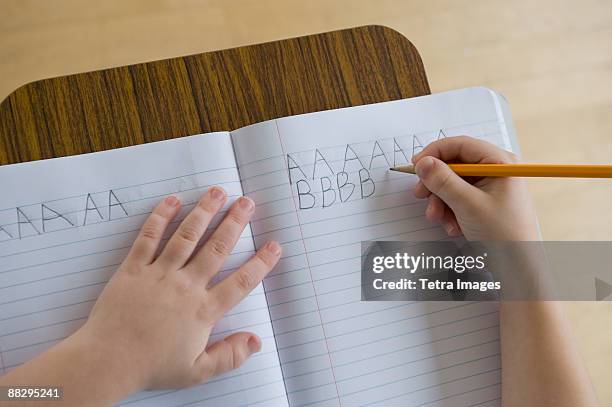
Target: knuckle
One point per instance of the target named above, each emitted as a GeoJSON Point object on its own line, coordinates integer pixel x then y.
{"type": "Point", "coordinates": [443, 181]}
{"type": "Point", "coordinates": [152, 228]}
{"type": "Point", "coordinates": [231, 356]}
{"type": "Point", "coordinates": [219, 247]}
{"type": "Point", "coordinates": [235, 218]}
{"type": "Point", "coordinates": [245, 280]}
{"type": "Point", "coordinates": [131, 268]}
{"type": "Point", "coordinates": [182, 286]}
{"type": "Point", "coordinates": [149, 232]}
{"type": "Point", "coordinates": [265, 258]}
{"type": "Point", "coordinates": [189, 233]}
{"type": "Point", "coordinates": [238, 357]}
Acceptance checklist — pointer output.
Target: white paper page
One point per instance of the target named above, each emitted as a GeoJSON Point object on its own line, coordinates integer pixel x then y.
{"type": "Point", "coordinates": [51, 274]}
{"type": "Point", "coordinates": [335, 349]}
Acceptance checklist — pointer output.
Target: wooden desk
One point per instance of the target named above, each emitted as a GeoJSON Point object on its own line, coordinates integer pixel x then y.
{"type": "Point", "coordinates": [220, 90]}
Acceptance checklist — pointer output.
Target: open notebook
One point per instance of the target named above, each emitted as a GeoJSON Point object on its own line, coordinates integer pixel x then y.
{"type": "Point", "coordinates": [321, 184]}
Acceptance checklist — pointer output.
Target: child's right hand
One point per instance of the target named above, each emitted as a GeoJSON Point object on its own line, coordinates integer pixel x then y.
{"type": "Point", "coordinates": [479, 208]}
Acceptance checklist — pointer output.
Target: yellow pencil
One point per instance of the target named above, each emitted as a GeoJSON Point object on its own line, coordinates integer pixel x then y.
{"type": "Point", "coordinates": [524, 170]}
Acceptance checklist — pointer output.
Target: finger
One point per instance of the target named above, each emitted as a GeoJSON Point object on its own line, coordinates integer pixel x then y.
{"type": "Point", "coordinates": [145, 246]}
{"type": "Point", "coordinates": [450, 224]}
{"type": "Point", "coordinates": [225, 355]}
{"type": "Point", "coordinates": [232, 289]}
{"type": "Point", "coordinates": [184, 240]}
{"type": "Point", "coordinates": [209, 259]}
{"type": "Point", "coordinates": [465, 149]}
{"type": "Point", "coordinates": [421, 191]}
{"type": "Point", "coordinates": [445, 183]}
{"type": "Point", "coordinates": [435, 209]}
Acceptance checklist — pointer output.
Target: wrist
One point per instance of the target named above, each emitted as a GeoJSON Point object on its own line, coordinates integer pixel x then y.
{"type": "Point", "coordinates": [89, 371]}
{"type": "Point", "coordinates": [106, 366]}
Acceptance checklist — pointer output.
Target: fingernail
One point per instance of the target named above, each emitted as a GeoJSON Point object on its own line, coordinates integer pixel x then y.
{"type": "Point", "coordinates": [254, 344]}
{"type": "Point", "coordinates": [217, 193]}
{"type": "Point", "coordinates": [274, 247]}
{"type": "Point", "coordinates": [424, 166]}
{"type": "Point", "coordinates": [171, 201]}
{"type": "Point", "coordinates": [246, 203]}
{"type": "Point", "coordinates": [414, 157]}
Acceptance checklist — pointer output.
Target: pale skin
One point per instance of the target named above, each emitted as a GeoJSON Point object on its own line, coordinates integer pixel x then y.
{"type": "Point", "coordinates": [150, 326]}
{"type": "Point", "coordinates": [541, 365]}
{"type": "Point", "coordinates": [125, 345]}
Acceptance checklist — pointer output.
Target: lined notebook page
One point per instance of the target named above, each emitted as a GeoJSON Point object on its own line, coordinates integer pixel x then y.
{"type": "Point", "coordinates": [335, 349]}
{"type": "Point", "coordinates": [52, 270]}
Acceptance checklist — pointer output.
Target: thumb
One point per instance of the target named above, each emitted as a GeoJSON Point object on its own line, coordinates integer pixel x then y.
{"type": "Point", "coordinates": [225, 355]}
{"type": "Point", "coordinates": [443, 182]}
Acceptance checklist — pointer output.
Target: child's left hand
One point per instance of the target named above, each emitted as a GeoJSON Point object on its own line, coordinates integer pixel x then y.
{"type": "Point", "coordinates": [150, 327]}
{"type": "Point", "coordinates": [156, 314]}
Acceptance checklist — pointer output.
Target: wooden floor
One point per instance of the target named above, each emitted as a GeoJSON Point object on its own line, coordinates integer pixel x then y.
{"type": "Point", "coordinates": [551, 59]}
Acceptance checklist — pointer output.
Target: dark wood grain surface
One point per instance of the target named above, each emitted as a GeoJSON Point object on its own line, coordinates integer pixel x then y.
{"type": "Point", "coordinates": [214, 91]}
